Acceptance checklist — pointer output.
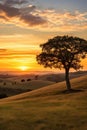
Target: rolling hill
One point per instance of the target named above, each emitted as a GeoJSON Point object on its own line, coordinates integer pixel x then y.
{"type": "Point", "coordinates": [12, 85]}
{"type": "Point", "coordinates": [47, 108]}
{"type": "Point", "coordinates": [54, 89]}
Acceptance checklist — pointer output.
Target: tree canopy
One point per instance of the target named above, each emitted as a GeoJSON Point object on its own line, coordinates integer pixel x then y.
{"type": "Point", "coordinates": [63, 52]}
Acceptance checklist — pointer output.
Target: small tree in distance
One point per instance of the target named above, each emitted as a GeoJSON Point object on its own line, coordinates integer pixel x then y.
{"type": "Point", "coordinates": [22, 80]}
{"type": "Point", "coordinates": [63, 52]}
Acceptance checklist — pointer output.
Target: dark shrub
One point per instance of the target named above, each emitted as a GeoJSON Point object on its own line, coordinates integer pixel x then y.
{"type": "Point", "coordinates": [4, 83]}
{"type": "Point", "coordinates": [3, 95]}
{"type": "Point", "coordinates": [36, 77]}
{"type": "Point", "coordinates": [22, 80]}
{"type": "Point", "coordinates": [28, 79]}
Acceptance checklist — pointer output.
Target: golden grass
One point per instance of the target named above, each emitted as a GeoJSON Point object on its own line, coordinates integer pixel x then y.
{"type": "Point", "coordinates": [47, 108]}
{"type": "Point", "coordinates": [52, 90]}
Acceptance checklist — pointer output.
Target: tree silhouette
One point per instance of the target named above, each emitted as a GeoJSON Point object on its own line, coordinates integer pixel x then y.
{"type": "Point", "coordinates": [28, 79]}
{"type": "Point", "coordinates": [22, 80]}
{"type": "Point", "coordinates": [36, 77]}
{"type": "Point", "coordinates": [63, 52]}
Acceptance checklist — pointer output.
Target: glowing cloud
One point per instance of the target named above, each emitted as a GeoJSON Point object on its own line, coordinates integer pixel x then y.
{"type": "Point", "coordinates": [47, 19]}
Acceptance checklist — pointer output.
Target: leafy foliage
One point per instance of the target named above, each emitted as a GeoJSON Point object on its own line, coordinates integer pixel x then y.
{"type": "Point", "coordinates": [63, 52]}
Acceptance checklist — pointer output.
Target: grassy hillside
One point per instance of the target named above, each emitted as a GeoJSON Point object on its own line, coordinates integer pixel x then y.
{"type": "Point", "coordinates": [11, 87]}
{"type": "Point", "coordinates": [48, 108]}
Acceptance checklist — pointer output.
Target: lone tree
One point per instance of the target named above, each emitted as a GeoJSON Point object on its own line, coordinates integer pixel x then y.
{"type": "Point", "coordinates": [63, 52]}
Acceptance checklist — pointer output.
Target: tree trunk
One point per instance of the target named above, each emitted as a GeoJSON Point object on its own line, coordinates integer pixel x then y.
{"type": "Point", "coordinates": [68, 85]}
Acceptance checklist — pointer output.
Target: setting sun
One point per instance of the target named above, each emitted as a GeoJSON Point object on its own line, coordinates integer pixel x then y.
{"type": "Point", "coordinates": [23, 68]}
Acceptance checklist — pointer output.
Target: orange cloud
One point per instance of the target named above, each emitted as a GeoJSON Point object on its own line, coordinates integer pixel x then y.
{"type": "Point", "coordinates": [11, 59]}
{"type": "Point", "coordinates": [10, 54]}
{"type": "Point", "coordinates": [2, 50]}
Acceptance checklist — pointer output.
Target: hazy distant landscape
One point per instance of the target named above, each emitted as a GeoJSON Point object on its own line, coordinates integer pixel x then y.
{"type": "Point", "coordinates": [13, 84]}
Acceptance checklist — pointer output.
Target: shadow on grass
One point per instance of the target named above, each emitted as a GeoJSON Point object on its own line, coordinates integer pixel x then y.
{"type": "Point", "coordinates": [72, 91]}
{"type": "Point", "coordinates": [3, 95]}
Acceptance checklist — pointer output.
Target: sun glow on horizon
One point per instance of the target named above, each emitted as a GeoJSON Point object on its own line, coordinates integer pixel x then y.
{"type": "Point", "coordinates": [23, 68]}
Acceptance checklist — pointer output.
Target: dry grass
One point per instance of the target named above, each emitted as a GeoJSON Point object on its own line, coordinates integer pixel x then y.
{"type": "Point", "coordinates": [47, 108]}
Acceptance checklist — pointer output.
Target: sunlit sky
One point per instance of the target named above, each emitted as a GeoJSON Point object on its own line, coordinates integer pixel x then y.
{"type": "Point", "coordinates": [25, 24]}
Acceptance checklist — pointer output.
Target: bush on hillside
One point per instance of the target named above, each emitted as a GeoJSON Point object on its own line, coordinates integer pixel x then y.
{"type": "Point", "coordinates": [3, 95]}
{"type": "Point", "coordinates": [22, 80]}
{"type": "Point", "coordinates": [28, 79]}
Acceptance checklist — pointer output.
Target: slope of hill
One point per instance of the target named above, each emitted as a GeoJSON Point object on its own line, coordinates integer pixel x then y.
{"type": "Point", "coordinates": [54, 89]}
{"type": "Point", "coordinates": [47, 108]}
{"type": "Point", "coordinates": [10, 87]}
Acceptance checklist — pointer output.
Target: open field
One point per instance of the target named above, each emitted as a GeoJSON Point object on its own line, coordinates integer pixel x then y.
{"type": "Point", "coordinates": [48, 108]}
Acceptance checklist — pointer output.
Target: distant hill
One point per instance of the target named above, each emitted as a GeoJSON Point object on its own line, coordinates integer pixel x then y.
{"type": "Point", "coordinates": [11, 87]}
{"type": "Point", "coordinates": [24, 83]}
{"type": "Point", "coordinates": [54, 89]}
{"type": "Point", "coordinates": [61, 76]}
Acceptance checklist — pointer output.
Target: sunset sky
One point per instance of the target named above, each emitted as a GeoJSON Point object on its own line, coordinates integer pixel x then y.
{"type": "Point", "coordinates": [25, 24]}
